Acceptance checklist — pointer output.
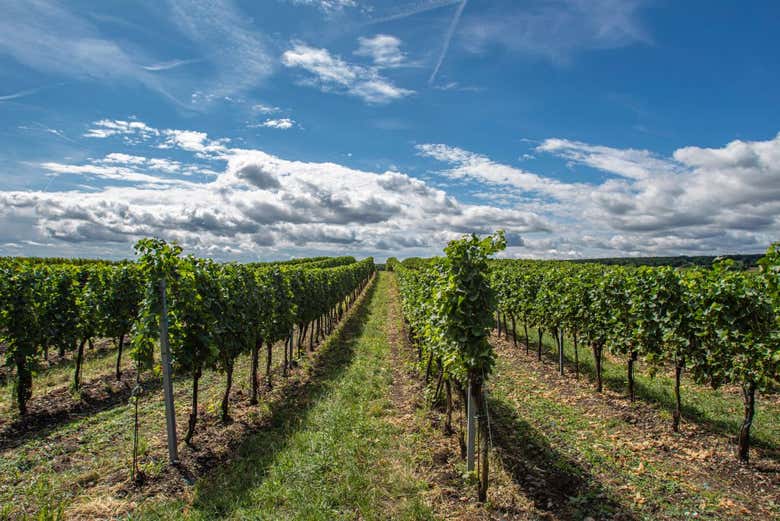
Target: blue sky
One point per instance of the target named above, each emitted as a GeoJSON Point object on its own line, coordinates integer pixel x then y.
{"type": "Point", "coordinates": [296, 127]}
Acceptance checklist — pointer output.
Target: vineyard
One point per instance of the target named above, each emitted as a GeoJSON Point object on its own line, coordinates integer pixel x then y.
{"type": "Point", "coordinates": [720, 324]}
{"type": "Point", "coordinates": [53, 309]}
{"type": "Point", "coordinates": [453, 387]}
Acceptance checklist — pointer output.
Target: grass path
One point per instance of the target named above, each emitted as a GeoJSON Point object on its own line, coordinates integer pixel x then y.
{"type": "Point", "coordinates": [332, 451]}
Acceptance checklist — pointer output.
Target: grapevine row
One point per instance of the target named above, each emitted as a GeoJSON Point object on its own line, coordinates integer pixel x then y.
{"type": "Point", "coordinates": [448, 304]}
{"type": "Point", "coordinates": [719, 324]}
{"type": "Point", "coordinates": [215, 311]}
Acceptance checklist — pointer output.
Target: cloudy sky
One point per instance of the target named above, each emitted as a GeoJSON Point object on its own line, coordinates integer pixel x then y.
{"type": "Point", "coordinates": [284, 128]}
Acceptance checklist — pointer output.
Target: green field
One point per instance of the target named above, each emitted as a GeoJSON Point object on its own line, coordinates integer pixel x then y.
{"type": "Point", "coordinates": [348, 435]}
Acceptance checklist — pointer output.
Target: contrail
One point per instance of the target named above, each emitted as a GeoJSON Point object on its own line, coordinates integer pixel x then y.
{"type": "Point", "coordinates": [164, 66]}
{"type": "Point", "coordinates": [29, 92]}
{"type": "Point", "coordinates": [21, 94]}
{"type": "Point", "coordinates": [447, 39]}
{"type": "Point", "coordinates": [430, 6]}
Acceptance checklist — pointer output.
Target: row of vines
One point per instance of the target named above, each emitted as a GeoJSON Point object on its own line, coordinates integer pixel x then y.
{"type": "Point", "coordinates": [215, 311]}
{"type": "Point", "coordinates": [718, 324]}
{"type": "Point", "coordinates": [448, 304]}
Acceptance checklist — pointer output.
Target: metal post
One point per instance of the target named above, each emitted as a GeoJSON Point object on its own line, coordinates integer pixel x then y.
{"type": "Point", "coordinates": [165, 352]}
{"type": "Point", "coordinates": [560, 353]}
{"type": "Point", "coordinates": [471, 427]}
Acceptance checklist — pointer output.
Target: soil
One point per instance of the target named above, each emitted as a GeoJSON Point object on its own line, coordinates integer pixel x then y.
{"type": "Point", "coordinates": [62, 405]}
{"type": "Point", "coordinates": [697, 455]}
{"type": "Point", "coordinates": [102, 346]}
{"type": "Point", "coordinates": [215, 443]}
{"type": "Point", "coordinates": [450, 495]}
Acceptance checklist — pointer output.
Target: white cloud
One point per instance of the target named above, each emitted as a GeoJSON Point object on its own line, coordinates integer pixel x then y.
{"type": "Point", "coordinates": [468, 165]}
{"type": "Point", "coordinates": [630, 163]}
{"type": "Point", "coordinates": [455, 86]}
{"type": "Point", "coordinates": [108, 173]}
{"type": "Point", "coordinates": [265, 109]}
{"type": "Point", "coordinates": [193, 141]}
{"type": "Point", "coordinates": [700, 200]}
{"type": "Point", "coordinates": [281, 123]}
{"type": "Point", "coordinates": [383, 49]}
{"type": "Point", "coordinates": [118, 157]}
{"type": "Point", "coordinates": [331, 73]}
{"type": "Point", "coordinates": [49, 37]}
{"type": "Point", "coordinates": [329, 6]}
{"type": "Point", "coordinates": [21, 94]}
{"type": "Point", "coordinates": [158, 164]}
{"type": "Point", "coordinates": [61, 39]}
{"type": "Point", "coordinates": [168, 65]}
{"type": "Point", "coordinates": [135, 132]}
{"type": "Point", "coordinates": [734, 187]}
{"type": "Point", "coordinates": [555, 29]}
{"type": "Point", "coordinates": [217, 197]}
{"type": "Point", "coordinates": [238, 53]}
{"type": "Point", "coordinates": [257, 204]}
{"type": "Point", "coordinates": [107, 127]}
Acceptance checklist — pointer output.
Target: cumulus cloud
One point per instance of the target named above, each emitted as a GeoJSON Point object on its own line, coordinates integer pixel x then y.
{"type": "Point", "coordinates": [699, 199]}
{"type": "Point", "coordinates": [281, 123]}
{"type": "Point", "coordinates": [216, 197]}
{"type": "Point", "coordinates": [734, 187]}
{"type": "Point", "coordinates": [258, 176]}
{"type": "Point", "coordinates": [332, 74]}
{"type": "Point", "coordinates": [193, 141]}
{"type": "Point", "coordinates": [256, 203]}
{"type": "Point", "coordinates": [383, 49]}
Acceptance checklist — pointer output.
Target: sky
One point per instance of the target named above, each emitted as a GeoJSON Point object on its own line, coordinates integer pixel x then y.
{"type": "Point", "coordinates": [284, 128]}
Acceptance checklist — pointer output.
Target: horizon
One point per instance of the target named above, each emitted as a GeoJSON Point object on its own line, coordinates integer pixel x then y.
{"type": "Point", "coordinates": [301, 128]}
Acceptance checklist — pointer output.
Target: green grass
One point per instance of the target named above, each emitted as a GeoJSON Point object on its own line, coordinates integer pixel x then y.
{"type": "Point", "coordinates": [720, 410]}
{"type": "Point", "coordinates": [97, 362]}
{"type": "Point", "coordinates": [52, 467]}
{"type": "Point", "coordinates": [330, 452]}
{"type": "Point", "coordinates": [329, 447]}
{"type": "Point", "coordinates": [593, 459]}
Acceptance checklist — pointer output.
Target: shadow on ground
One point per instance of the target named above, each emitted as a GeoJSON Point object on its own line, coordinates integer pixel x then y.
{"type": "Point", "coordinates": [227, 486]}
{"type": "Point", "coordinates": [662, 397]}
{"type": "Point", "coordinates": [59, 407]}
{"type": "Point", "coordinates": [555, 483]}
